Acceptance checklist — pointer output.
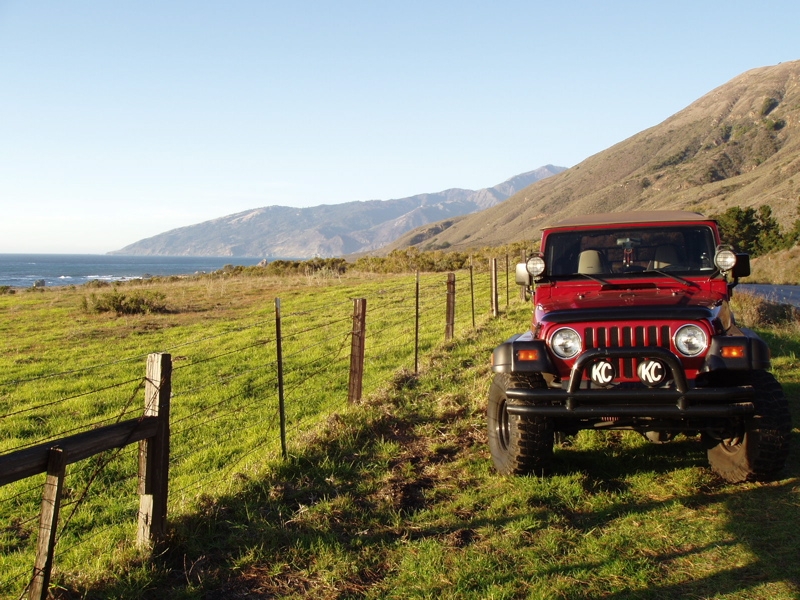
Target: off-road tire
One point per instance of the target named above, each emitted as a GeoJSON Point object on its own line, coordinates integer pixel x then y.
{"type": "Point", "coordinates": [518, 445]}
{"type": "Point", "coordinates": [760, 451]}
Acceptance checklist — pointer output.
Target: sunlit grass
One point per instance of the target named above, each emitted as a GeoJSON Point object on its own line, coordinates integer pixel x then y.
{"type": "Point", "coordinates": [66, 369]}
{"type": "Point", "coordinates": [396, 497]}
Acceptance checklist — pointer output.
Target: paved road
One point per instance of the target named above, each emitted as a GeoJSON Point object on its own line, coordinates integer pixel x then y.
{"type": "Point", "coordinates": [783, 294]}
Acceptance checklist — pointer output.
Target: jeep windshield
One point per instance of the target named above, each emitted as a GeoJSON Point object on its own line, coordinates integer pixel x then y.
{"type": "Point", "coordinates": [630, 251]}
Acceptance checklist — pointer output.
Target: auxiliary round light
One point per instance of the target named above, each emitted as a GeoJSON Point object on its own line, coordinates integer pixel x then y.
{"type": "Point", "coordinates": [725, 259]}
{"type": "Point", "coordinates": [535, 266]}
{"type": "Point", "coordinates": [565, 342]}
{"type": "Point", "coordinates": [690, 340]}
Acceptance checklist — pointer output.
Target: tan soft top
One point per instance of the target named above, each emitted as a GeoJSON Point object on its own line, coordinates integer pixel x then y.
{"type": "Point", "coordinates": [644, 216]}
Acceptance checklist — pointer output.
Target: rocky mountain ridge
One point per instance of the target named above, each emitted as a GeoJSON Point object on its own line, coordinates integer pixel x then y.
{"type": "Point", "coordinates": [327, 230]}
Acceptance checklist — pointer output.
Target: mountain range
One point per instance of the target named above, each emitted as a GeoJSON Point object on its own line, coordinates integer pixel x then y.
{"type": "Point", "coordinates": [327, 230]}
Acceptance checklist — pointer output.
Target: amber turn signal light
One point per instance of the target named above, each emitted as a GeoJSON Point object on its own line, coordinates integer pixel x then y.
{"type": "Point", "coordinates": [528, 355]}
{"type": "Point", "coordinates": [732, 352]}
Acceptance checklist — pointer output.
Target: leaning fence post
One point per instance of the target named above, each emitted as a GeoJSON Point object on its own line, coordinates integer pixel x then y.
{"type": "Point", "coordinates": [358, 340]}
{"type": "Point", "coordinates": [154, 451]}
{"type": "Point", "coordinates": [48, 523]}
{"type": "Point", "coordinates": [450, 312]}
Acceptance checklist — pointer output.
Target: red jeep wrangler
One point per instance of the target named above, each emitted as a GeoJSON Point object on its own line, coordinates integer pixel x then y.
{"type": "Point", "coordinates": [632, 329]}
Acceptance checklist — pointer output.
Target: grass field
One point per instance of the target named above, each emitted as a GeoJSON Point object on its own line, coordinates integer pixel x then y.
{"type": "Point", "coordinates": [395, 497]}
{"type": "Point", "coordinates": [66, 369]}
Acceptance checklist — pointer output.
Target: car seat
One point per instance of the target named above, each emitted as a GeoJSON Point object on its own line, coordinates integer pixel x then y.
{"type": "Point", "coordinates": [665, 256]}
{"type": "Point", "coordinates": [591, 262]}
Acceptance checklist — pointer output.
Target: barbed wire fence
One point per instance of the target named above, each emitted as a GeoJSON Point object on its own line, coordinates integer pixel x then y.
{"type": "Point", "coordinates": [225, 419]}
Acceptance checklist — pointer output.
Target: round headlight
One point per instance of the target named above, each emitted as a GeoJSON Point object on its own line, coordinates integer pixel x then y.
{"type": "Point", "coordinates": [690, 340]}
{"type": "Point", "coordinates": [565, 342]}
{"type": "Point", "coordinates": [725, 259]}
{"type": "Point", "coordinates": [535, 266]}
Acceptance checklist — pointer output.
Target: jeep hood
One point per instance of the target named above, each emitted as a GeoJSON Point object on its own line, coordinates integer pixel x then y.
{"type": "Point", "coordinates": [557, 298]}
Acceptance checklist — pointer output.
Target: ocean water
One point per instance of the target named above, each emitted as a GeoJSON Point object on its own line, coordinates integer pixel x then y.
{"type": "Point", "coordinates": [23, 270]}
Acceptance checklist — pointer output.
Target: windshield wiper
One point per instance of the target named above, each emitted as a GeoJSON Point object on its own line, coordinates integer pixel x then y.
{"type": "Point", "coordinates": [685, 282]}
{"type": "Point", "coordinates": [593, 278]}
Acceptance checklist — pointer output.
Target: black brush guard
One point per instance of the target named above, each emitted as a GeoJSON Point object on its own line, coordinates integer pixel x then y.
{"type": "Point", "coordinates": [677, 401]}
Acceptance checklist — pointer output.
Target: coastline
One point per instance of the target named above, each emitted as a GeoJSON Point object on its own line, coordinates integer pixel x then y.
{"type": "Point", "coordinates": [59, 270]}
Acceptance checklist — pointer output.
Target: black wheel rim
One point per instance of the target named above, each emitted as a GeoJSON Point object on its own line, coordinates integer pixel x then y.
{"type": "Point", "coordinates": [503, 427]}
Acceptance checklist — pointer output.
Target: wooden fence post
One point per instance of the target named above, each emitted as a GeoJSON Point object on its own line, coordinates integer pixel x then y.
{"type": "Point", "coordinates": [357, 342]}
{"type": "Point", "coordinates": [48, 524]}
{"type": "Point", "coordinates": [416, 327]}
{"type": "Point", "coordinates": [508, 292]}
{"type": "Point", "coordinates": [450, 312]}
{"type": "Point", "coordinates": [154, 452]}
{"type": "Point", "coordinates": [279, 358]}
{"type": "Point", "coordinates": [495, 310]}
{"type": "Point", "coordinates": [472, 291]}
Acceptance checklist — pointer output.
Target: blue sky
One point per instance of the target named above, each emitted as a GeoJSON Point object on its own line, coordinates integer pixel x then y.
{"type": "Point", "coordinates": [121, 120]}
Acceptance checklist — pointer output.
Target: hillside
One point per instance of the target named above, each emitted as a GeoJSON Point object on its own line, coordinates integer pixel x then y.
{"type": "Point", "coordinates": [739, 145]}
{"type": "Point", "coordinates": [327, 230]}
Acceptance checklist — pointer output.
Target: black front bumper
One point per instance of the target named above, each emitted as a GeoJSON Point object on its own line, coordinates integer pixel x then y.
{"type": "Point", "coordinates": [677, 401]}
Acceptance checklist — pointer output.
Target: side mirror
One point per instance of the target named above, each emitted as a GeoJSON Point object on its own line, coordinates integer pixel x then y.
{"type": "Point", "coordinates": [742, 266]}
{"type": "Point", "coordinates": [740, 269]}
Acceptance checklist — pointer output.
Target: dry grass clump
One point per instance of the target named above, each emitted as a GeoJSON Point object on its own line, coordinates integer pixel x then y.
{"type": "Point", "coordinates": [756, 311]}
{"type": "Point", "coordinates": [778, 268]}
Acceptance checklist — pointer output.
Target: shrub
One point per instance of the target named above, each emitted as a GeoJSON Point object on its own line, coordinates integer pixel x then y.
{"type": "Point", "coordinates": [96, 283]}
{"type": "Point", "coordinates": [136, 303]}
{"type": "Point", "coordinates": [755, 311]}
{"type": "Point", "coordinates": [675, 159]}
{"type": "Point", "coordinates": [768, 106]}
{"type": "Point", "coordinates": [6, 289]}
{"type": "Point", "coordinates": [753, 231]}
{"type": "Point", "coordinates": [230, 270]}
{"type": "Point", "coordinates": [775, 124]}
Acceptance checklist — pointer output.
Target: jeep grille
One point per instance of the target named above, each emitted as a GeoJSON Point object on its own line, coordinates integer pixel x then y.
{"type": "Point", "coordinates": [626, 337]}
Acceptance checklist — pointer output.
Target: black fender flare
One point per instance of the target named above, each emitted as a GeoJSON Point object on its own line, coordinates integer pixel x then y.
{"type": "Point", "coordinates": [507, 357]}
{"type": "Point", "coordinates": [756, 357]}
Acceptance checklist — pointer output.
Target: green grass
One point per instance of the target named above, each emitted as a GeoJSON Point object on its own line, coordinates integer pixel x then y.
{"type": "Point", "coordinates": [396, 497]}
{"type": "Point", "coordinates": [67, 369]}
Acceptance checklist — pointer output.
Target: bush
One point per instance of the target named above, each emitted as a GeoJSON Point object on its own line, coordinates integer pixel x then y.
{"type": "Point", "coordinates": [756, 311]}
{"type": "Point", "coordinates": [96, 283]}
{"type": "Point", "coordinates": [136, 303]}
{"type": "Point", "coordinates": [754, 231]}
{"type": "Point", "coordinates": [768, 106]}
{"type": "Point", "coordinates": [775, 124]}
{"type": "Point", "coordinates": [6, 289]}
{"type": "Point", "coordinates": [229, 270]}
